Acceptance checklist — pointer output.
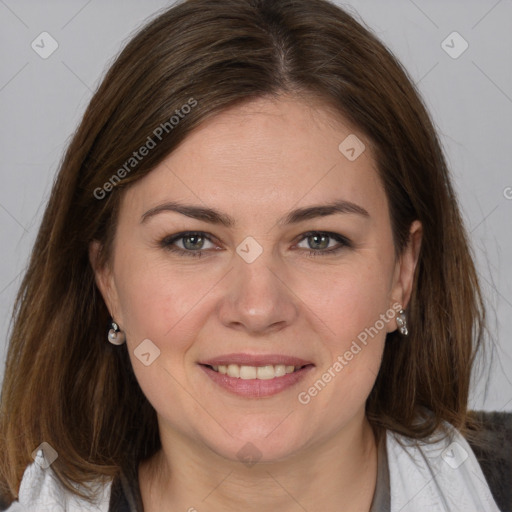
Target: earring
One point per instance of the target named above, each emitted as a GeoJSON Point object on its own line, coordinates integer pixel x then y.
{"type": "Point", "coordinates": [401, 322]}
{"type": "Point", "coordinates": [115, 336]}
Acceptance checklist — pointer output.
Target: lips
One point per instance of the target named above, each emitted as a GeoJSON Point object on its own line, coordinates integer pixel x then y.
{"type": "Point", "coordinates": [256, 376]}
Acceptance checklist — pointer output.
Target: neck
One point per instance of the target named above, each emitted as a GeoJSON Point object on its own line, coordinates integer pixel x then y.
{"type": "Point", "coordinates": [185, 476]}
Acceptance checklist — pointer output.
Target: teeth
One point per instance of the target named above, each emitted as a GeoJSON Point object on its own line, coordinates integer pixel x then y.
{"type": "Point", "coordinates": [233, 370]}
{"type": "Point", "coordinates": [255, 372]}
{"type": "Point", "coordinates": [266, 372]}
{"type": "Point", "coordinates": [248, 372]}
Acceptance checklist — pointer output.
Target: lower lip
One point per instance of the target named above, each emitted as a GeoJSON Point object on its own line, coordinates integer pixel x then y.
{"type": "Point", "coordinates": [256, 388]}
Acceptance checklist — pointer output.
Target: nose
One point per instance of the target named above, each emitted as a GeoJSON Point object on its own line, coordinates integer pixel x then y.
{"type": "Point", "coordinates": [258, 299]}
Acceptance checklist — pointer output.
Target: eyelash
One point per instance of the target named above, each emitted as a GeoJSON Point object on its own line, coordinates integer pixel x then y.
{"type": "Point", "coordinates": [167, 243]}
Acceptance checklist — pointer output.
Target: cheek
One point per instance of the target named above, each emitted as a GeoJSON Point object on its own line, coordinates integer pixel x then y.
{"type": "Point", "coordinates": [155, 297]}
{"type": "Point", "coordinates": [163, 305]}
{"type": "Point", "coordinates": [349, 298]}
{"type": "Point", "coordinates": [353, 303]}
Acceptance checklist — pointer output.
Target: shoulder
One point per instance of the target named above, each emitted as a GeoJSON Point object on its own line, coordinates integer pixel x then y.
{"type": "Point", "coordinates": [438, 474]}
{"type": "Point", "coordinates": [41, 491]}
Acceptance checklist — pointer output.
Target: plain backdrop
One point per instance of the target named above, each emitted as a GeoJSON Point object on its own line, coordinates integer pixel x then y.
{"type": "Point", "coordinates": [469, 94]}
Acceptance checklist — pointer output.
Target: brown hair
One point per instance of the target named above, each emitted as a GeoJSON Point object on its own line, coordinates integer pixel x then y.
{"type": "Point", "coordinates": [66, 385]}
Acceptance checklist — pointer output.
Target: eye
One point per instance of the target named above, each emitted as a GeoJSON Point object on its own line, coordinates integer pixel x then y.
{"type": "Point", "coordinates": [195, 243]}
{"type": "Point", "coordinates": [322, 243]}
{"type": "Point", "coordinates": [190, 243]}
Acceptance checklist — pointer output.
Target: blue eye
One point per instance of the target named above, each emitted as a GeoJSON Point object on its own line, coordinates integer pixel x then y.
{"type": "Point", "coordinates": [319, 243]}
{"type": "Point", "coordinates": [194, 243]}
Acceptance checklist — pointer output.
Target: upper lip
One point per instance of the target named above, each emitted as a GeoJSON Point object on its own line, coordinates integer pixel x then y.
{"type": "Point", "coordinates": [255, 360]}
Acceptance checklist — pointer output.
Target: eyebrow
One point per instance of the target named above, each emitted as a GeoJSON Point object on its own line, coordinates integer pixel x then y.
{"type": "Point", "coordinates": [214, 216]}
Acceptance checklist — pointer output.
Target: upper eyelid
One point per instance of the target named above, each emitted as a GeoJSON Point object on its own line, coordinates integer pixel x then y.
{"type": "Point", "coordinates": [335, 236]}
{"type": "Point", "coordinates": [183, 234]}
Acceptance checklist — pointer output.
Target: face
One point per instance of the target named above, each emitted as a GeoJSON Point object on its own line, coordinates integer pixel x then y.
{"type": "Point", "coordinates": [280, 259]}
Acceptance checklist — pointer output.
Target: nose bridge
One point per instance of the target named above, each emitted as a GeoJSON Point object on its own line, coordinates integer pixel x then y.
{"type": "Point", "coordinates": [257, 298]}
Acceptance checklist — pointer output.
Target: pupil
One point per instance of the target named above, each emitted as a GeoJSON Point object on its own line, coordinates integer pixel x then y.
{"type": "Point", "coordinates": [320, 245]}
{"type": "Point", "coordinates": [196, 240]}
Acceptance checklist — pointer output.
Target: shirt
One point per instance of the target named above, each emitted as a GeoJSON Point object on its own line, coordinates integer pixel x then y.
{"type": "Point", "coordinates": [441, 474]}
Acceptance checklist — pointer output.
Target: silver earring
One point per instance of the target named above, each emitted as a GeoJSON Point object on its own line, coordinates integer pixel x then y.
{"type": "Point", "coordinates": [401, 322]}
{"type": "Point", "coordinates": [115, 336]}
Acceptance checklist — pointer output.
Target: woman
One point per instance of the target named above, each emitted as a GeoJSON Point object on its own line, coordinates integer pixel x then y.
{"type": "Point", "coordinates": [251, 286]}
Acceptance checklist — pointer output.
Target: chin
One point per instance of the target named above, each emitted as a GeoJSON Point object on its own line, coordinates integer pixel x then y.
{"type": "Point", "coordinates": [253, 445]}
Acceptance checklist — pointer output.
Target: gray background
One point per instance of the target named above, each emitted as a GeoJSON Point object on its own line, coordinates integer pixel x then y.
{"type": "Point", "coordinates": [470, 99]}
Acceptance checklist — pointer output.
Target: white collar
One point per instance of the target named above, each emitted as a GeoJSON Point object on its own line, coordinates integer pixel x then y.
{"type": "Point", "coordinates": [443, 476]}
{"type": "Point", "coordinates": [41, 491]}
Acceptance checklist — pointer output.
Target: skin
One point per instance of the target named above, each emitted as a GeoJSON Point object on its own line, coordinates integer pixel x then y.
{"type": "Point", "coordinates": [256, 163]}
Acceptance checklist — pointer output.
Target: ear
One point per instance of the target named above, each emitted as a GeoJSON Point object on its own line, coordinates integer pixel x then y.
{"type": "Point", "coordinates": [104, 281]}
{"type": "Point", "coordinates": [403, 278]}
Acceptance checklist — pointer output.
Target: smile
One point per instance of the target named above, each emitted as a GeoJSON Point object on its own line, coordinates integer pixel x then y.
{"type": "Point", "coordinates": [257, 380]}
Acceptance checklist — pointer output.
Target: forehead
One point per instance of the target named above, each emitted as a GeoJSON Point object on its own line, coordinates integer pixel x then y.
{"type": "Point", "coordinates": [262, 155]}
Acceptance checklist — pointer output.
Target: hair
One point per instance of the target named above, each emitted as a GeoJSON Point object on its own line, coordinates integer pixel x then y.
{"type": "Point", "coordinates": [66, 385]}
